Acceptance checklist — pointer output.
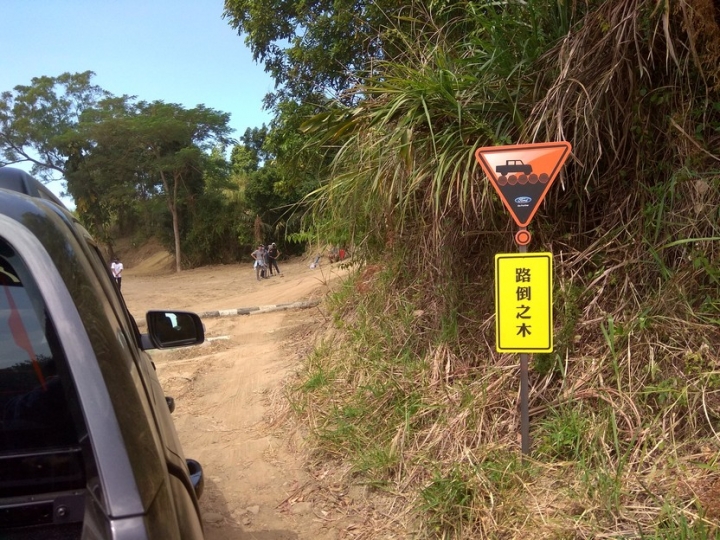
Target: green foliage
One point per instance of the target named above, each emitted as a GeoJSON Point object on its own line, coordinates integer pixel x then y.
{"type": "Point", "coordinates": [626, 403]}
{"type": "Point", "coordinates": [115, 154]}
{"type": "Point", "coordinates": [260, 194]}
{"type": "Point", "coordinates": [267, 188]}
{"type": "Point", "coordinates": [316, 380]}
{"type": "Point", "coordinates": [213, 226]}
{"type": "Point", "coordinates": [564, 434]}
{"type": "Point", "coordinates": [306, 46]}
{"type": "Point", "coordinates": [676, 526]}
{"type": "Point", "coordinates": [403, 153]}
{"type": "Point", "coordinates": [298, 164]}
{"type": "Point", "coordinates": [447, 502]}
{"type": "Point", "coordinates": [35, 118]}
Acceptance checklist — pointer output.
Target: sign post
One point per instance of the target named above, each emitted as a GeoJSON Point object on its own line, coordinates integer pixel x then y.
{"type": "Point", "coordinates": [522, 175]}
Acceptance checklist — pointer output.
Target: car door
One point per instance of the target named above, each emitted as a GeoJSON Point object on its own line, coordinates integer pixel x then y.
{"type": "Point", "coordinates": [184, 497]}
{"type": "Point", "coordinates": [127, 487]}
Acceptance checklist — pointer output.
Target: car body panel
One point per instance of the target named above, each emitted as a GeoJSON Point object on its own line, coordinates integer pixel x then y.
{"type": "Point", "coordinates": [137, 479]}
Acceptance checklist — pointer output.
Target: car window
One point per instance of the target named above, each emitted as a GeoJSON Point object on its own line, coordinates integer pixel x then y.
{"type": "Point", "coordinates": [34, 411]}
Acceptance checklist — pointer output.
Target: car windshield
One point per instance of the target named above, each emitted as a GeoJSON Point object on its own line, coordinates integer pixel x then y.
{"type": "Point", "coordinates": [34, 413]}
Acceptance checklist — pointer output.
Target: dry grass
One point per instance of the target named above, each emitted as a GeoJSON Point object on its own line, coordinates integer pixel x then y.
{"type": "Point", "coordinates": [617, 450]}
{"type": "Point", "coordinates": [625, 413]}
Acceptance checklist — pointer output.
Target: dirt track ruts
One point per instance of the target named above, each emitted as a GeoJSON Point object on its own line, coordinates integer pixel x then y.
{"type": "Point", "coordinates": [229, 399]}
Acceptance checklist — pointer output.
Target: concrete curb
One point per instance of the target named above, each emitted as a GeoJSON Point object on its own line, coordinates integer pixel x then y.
{"type": "Point", "coordinates": [303, 304]}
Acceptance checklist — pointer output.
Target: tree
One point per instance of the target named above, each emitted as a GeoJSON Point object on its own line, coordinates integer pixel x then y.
{"type": "Point", "coordinates": [34, 118]}
{"type": "Point", "coordinates": [110, 149]}
{"type": "Point", "coordinates": [299, 164]}
{"type": "Point", "coordinates": [271, 167]}
{"type": "Point", "coordinates": [103, 174]}
{"type": "Point", "coordinates": [173, 142]}
{"type": "Point", "coordinates": [312, 48]}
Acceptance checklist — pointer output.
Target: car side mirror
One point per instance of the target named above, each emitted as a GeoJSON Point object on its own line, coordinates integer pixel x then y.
{"type": "Point", "coordinates": [197, 476]}
{"type": "Point", "coordinates": [167, 329]}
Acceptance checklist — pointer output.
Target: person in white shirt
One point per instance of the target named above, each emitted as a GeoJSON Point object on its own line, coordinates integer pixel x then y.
{"type": "Point", "coordinates": [117, 268]}
{"type": "Point", "coordinates": [259, 264]}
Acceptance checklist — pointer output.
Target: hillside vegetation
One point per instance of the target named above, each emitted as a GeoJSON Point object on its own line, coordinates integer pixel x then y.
{"type": "Point", "coordinates": [408, 388]}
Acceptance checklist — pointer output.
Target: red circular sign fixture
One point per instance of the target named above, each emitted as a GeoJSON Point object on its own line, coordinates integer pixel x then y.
{"type": "Point", "coordinates": [522, 237]}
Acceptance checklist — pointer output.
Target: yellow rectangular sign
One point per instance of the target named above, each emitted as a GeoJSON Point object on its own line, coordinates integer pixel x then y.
{"type": "Point", "coordinates": [523, 302]}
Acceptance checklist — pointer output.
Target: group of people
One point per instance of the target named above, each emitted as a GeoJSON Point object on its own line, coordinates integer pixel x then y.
{"type": "Point", "coordinates": [265, 261]}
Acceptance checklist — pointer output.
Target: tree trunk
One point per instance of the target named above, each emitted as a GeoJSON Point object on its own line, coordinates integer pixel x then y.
{"type": "Point", "coordinates": [176, 232]}
{"type": "Point", "coordinates": [172, 206]}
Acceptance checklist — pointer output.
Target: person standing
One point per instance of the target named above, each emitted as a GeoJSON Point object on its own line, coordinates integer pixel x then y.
{"type": "Point", "coordinates": [259, 256]}
{"type": "Point", "coordinates": [117, 268]}
{"type": "Point", "coordinates": [267, 262]}
{"type": "Point", "coordinates": [273, 254]}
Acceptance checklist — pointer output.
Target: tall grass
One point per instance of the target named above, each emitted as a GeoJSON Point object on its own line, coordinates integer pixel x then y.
{"type": "Point", "coordinates": [624, 414]}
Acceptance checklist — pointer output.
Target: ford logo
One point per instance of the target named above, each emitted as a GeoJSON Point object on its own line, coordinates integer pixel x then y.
{"type": "Point", "coordinates": [523, 200]}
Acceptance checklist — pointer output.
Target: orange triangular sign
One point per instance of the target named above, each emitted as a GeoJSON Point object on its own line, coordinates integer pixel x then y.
{"type": "Point", "coordinates": [523, 173]}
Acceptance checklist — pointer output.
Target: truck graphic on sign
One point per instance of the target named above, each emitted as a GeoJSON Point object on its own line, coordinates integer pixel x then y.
{"type": "Point", "coordinates": [521, 174]}
{"type": "Point", "coordinates": [516, 171]}
{"type": "Point", "coordinates": [514, 166]}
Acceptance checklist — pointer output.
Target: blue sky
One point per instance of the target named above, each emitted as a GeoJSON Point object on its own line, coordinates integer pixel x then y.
{"type": "Point", "coordinates": [177, 51]}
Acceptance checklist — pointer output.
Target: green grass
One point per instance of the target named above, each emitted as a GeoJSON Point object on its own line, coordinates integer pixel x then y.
{"type": "Point", "coordinates": [409, 391]}
{"type": "Point", "coordinates": [447, 502]}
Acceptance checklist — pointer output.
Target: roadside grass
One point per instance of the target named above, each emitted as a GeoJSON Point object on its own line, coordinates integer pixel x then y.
{"type": "Point", "coordinates": [624, 416]}
{"type": "Point", "coordinates": [625, 412]}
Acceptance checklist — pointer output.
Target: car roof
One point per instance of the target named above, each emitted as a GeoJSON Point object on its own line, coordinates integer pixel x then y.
{"type": "Point", "coordinates": [18, 180]}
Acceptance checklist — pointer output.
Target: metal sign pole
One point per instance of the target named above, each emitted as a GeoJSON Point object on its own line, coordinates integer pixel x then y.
{"type": "Point", "coordinates": [524, 409]}
{"type": "Point", "coordinates": [524, 391]}
{"type": "Point", "coordinates": [522, 175]}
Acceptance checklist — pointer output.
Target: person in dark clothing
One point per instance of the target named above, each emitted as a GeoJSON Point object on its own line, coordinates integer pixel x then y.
{"type": "Point", "coordinates": [266, 259]}
{"type": "Point", "coordinates": [273, 254]}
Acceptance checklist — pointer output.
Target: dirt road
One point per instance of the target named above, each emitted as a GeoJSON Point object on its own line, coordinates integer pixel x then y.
{"type": "Point", "coordinates": [229, 402]}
